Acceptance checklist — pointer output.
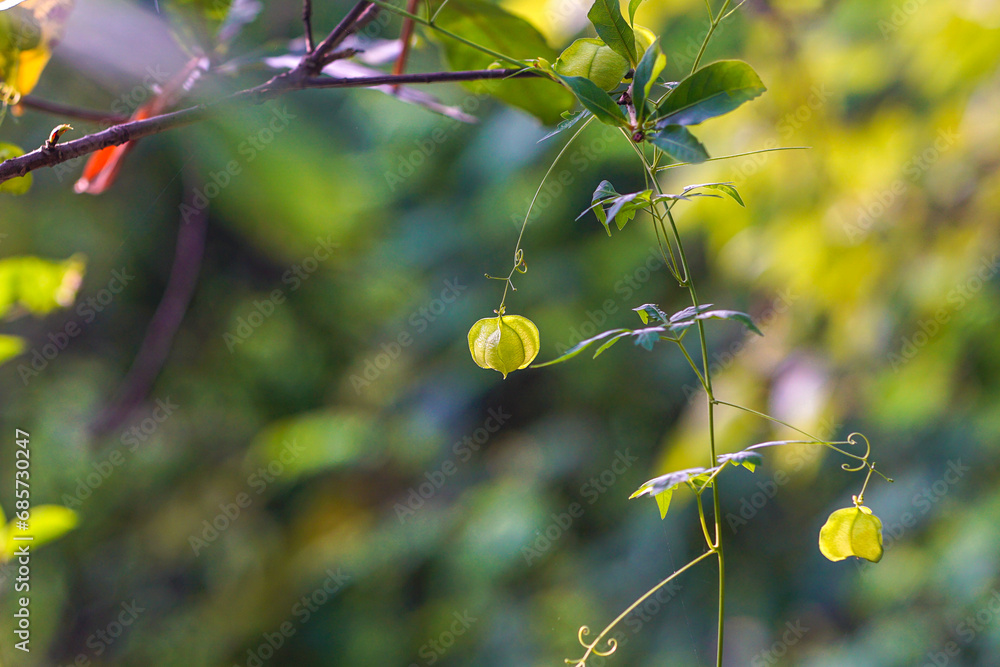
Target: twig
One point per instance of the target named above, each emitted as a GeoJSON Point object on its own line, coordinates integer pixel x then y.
{"type": "Point", "coordinates": [312, 63]}
{"type": "Point", "coordinates": [307, 20]}
{"type": "Point", "coordinates": [57, 109]}
{"type": "Point", "coordinates": [166, 321]}
{"type": "Point", "coordinates": [279, 85]}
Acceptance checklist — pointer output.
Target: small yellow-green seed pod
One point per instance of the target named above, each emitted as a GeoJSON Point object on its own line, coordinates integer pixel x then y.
{"type": "Point", "coordinates": [852, 531]}
{"type": "Point", "coordinates": [504, 343]}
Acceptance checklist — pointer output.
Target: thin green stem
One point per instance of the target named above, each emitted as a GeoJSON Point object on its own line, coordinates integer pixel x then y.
{"type": "Point", "coordinates": [769, 418]}
{"type": "Point", "coordinates": [735, 155]}
{"type": "Point", "coordinates": [715, 21]}
{"type": "Point", "coordinates": [701, 517]}
{"type": "Point", "coordinates": [518, 255]}
{"type": "Point", "coordinates": [613, 644]}
{"type": "Point", "coordinates": [693, 365]}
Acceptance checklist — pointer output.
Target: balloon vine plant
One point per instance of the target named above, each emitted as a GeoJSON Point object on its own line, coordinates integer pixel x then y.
{"type": "Point", "coordinates": [653, 116]}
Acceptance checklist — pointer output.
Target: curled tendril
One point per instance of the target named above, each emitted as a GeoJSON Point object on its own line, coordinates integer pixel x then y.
{"type": "Point", "coordinates": [592, 647]}
{"type": "Point", "coordinates": [853, 440]}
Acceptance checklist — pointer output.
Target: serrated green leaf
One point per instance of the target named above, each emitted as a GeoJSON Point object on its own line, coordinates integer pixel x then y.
{"type": "Point", "coordinates": [595, 100]}
{"type": "Point", "coordinates": [649, 311]}
{"type": "Point", "coordinates": [713, 90]}
{"type": "Point", "coordinates": [606, 15]}
{"type": "Point", "coordinates": [581, 346]}
{"type": "Point", "coordinates": [646, 73]}
{"type": "Point", "coordinates": [677, 142]}
{"type": "Point", "coordinates": [648, 337]}
{"type": "Point", "coordinates": [663, 502]}
{"type": "Point", "coordinates": [495, 28]}
{"type": "Point", "coordinates": [748, 459]}
{"type": "Point", "coordinates": [670, 481]}
{"type": "Point", "coordinates": [611, 341]}
{"type": "Point", "coordinates": [21, 184]}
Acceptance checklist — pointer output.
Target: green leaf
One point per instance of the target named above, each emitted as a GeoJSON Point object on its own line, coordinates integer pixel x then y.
{"type": "Point", "coordinates": [606, 15]}
{"type": "Point", "coordinates": [581, 346]}
{"type": "Point", "coordinates": [611, 341]}
{"type": "Point", "coordinates": [571, 118]}
{"type": "Point", "coordinates": [648, 337]}
{"type": "Point", "coordinates": [748, 459]}
{"type": "Point", "coordinates": [662, 487]}
{"type": "Point", "coordinates": [39, 285]}
{"type": "Point", "coordinates": [679, 144]}
{"type": "Point", "coordinates": [490, 25]}
{"type": "Point", "coordinates": [595, 100]}
{"type": "Point", "coordinates": [730, 315]}
{"type": "Point", "coordinates": [10, 346]}
{"type": "Point", "coordinates": [21, 184]}
{"type": "Point", "coordinates": [592, 59]}
{"type": "Point", "coordinates": [45, 523]}
{"type": "Point", "coordinates": [632, 6]}
{"type": "Point", "coordinates": [853, 531]}
{"type": "Point", "coordinates": [649, 311]}
{"type": "Point", "coordinates": [713, 90]}
{"type": "Point", "coordinates": [729, 190]}
{"type": "Point", "coordinates": [689, 312]}
{"type": "Point", "coordinates": [646, 73]}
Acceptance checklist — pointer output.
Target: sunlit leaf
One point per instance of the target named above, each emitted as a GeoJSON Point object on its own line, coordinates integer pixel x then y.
{"type": "Point", "coordinates": [490, 25]}
{"type": "Point", "coordinates": [649, 69]}
{"type": "Point", "coordinates": [748, 459]}
{"type": "Point", "coordinates": [39, 285]}
{"type": "Point", "coordinates": [595, 100]}
{"type": "Point", "coordinates": [571, 118]}
{"type": "Point", "coordinates": [713, 90]}
{"type": "Point", "coordinates": [606, 15]}
{"type": "Point", "coordinates": [45, 523]}
{"type": "Point", "coordinates": [21, 184]}
{"type": "Point", "coordinates": [648, 311]}
{"type": "Point", "coordinates": [592, 59]}
{"type": "Point", "coordinates": [10, 346]}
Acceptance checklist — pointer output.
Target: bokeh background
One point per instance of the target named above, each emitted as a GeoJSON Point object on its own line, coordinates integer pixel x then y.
{"type": "Point", "coordinates": [421, 516]}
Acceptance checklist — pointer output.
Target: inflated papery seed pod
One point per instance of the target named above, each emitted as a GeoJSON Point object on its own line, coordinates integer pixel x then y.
{"type": "Point", "coordinates": [505, 343]}
{"type": "Point", "coordinates": [852, 531]}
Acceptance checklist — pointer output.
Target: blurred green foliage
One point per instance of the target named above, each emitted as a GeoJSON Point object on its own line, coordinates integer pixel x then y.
{"type": "Point", "coordinates": [436, 514]}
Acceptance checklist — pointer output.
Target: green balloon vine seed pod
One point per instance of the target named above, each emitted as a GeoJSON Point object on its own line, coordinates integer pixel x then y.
{"type": "Point", "coordinates": [505, 343]}
{"type": "Point", "coordinates": [852, 531]}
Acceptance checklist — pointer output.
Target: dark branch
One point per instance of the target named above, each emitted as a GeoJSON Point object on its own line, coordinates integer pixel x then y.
{"type": "Point", "coordinates": [312, 63]}
{"type": "Point", "coordinates": [279, 85]}
{"type": "Point", "coordinates": [307, 10]}
{"type": "Point", "coordinates": [162, 328]}
{"type": "Point", "coordinates": [65, 111]}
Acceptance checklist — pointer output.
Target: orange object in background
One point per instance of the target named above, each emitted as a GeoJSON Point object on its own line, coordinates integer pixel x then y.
{"type": "Point", "coordinates": [103, 166]}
